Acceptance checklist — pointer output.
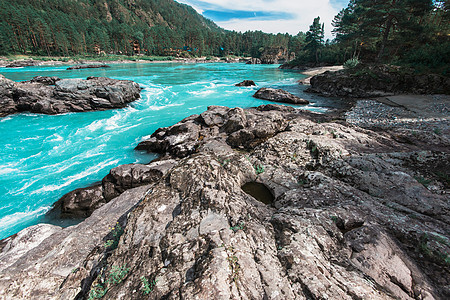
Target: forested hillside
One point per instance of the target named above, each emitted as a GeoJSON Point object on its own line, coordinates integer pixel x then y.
{"type": "Point", "coordinates": [151, 27]}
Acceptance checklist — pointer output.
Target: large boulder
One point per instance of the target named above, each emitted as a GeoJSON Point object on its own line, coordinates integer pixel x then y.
{"type": "Point", "coordinates": [23, 63]}
{"type": "Point", "coordinates": [279, 95]}
{"type": "Point", "coordinates": [51, 95]}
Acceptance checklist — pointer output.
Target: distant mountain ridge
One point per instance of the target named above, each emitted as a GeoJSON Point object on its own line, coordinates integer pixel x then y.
{"type": "Point", "coordinates": [152, 27]}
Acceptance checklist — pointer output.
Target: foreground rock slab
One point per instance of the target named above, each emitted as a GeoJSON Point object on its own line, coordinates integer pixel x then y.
{"type": "Point", "coordinates": [279, 95]}
{"type": "Point", "coordinates": [51, 95]}
{"type": "Point", "coordinates": [352, 218]}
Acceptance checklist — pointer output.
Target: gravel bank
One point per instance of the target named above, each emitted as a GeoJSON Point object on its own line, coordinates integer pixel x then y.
{"type": "Point", "coordinates": [425, 118]}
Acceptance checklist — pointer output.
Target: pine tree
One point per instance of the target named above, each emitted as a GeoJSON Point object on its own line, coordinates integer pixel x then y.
{"type": "Point", "coordinates": [315, 38]}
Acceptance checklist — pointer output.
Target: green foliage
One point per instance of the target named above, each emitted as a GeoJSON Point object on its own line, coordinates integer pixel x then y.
{"type": "Point", "coordinates": [238, 227]}
{"type": "Point", "coordinates": [147, 287]}
{"type": "Point", "coordinates": [423, 181]}
{"type": "Point", "coordinates": [314, 38]}
{"type": "Point", "coordinates": [97, 292]}
{"type": "Point", "coordinates": [433, 247]}
{"type": "Point", "coordinates": [117, 274]}
{"type": "Point", "coordinates": [233, 262]}
{"type": "Point", "coordinates": [351, 63]}
{"type": "Point", "coordinates": [434, 56]}
{"type": "Point", "coordinates": [108, 243]}
{"type": "Point", "coordinates": [259, 169]}
{"type": "Point", "coordinates": [413, 33]}
{"type": "Point", "coordinates": [110, 27]}
{"type": "Point", "coordinates": [115, 234]}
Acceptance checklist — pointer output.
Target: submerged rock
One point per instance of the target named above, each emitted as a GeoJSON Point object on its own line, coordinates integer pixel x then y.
{"type": "Point", "coordinates": [94, 66]}
{"type": "Point", "coordinates": [279, 95]}
{"type": "Point", "coordinates": [349, 219]}
{"type": "Point", "coordinates": [51, 95]}
{"type": "Point", "coordinates": [246, 83]}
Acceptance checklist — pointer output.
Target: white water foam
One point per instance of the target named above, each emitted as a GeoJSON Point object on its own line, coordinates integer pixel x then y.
{"type": "Point", "coordinates": [155, 107]}
{"type": "Point", "coordinates": [22, 190]}
{"type": "Point", "coordinates": [4, 171]}
{"type": "Point", "coordinates": [78, 176]}
{"type": "Point", "coordinates": [21, 217]}
{"type": "Point", "coordinates": [202, 93]}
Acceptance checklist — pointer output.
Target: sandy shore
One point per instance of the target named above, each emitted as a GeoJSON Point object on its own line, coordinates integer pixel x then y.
{"type": "Point", "coordinates": [316, 71]}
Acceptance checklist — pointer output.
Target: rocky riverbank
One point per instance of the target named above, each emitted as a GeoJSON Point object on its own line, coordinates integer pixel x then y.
{"type": "Point", "coordinates": [355, 214]}
{"type": "Point", "coordinates": [376, 81]}
{"type": "Point", "coordinates": [52, 95]}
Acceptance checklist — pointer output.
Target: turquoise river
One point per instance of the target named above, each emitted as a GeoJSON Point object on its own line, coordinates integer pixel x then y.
{"type": "Point", "coordinates": [43, 157]}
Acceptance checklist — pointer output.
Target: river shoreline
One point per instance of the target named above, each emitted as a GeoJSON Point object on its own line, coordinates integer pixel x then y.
{"type": "Point", "coordinates": [61, 61]}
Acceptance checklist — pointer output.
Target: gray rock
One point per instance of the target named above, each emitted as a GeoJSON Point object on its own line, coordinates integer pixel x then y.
{"type": "Point", "coordinates": [23, 63]}
{"type": "Point", "coordinates": [91, 66]}
{"type": "Point", "coordinates": [82, 202]}
{"type": "Point", "coordinates": [349, 220]}
{"type": "Point", "coordinates": [254, 61]}
{"type": "Point", "coordinates": [246, 83]}
{"type": "Point", "coordinates": [47, 262]}
{"type": "Point", "coordinates": [51, 95]}
{"type": "Point", "coordinates": [279, 95]}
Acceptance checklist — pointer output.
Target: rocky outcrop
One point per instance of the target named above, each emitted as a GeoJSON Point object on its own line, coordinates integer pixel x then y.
{"type": "Point", "coordinates": [51, 95]}
{"type": "Point", "coordinates": [246, 83]}
{"type": "Point", "coordinates": [23, 63]}
{"type": "Point", "coordinates": [96, 66]}
{"type": "Point", "coordinates": [254, 61]}
{"type": "Point", "coordinates": [375, 81]}
{"type": "Point", "coordinates": [273, 55]}
{"type": "Point", "coordinates": [82, 202]}
{"type": "Point", "coordinates": [276, 55]}
{"type": "Point", "coordinates": [349, 219]}
{"type": "Point", "coordinates": [279, 95]}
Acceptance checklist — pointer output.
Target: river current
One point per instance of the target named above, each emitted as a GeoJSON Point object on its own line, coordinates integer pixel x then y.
{"type": "Point", "coordinates": [43, 157]}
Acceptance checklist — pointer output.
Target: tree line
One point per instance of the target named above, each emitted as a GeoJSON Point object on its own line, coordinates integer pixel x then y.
{"type": "Point", "coordinates": [411, 32]}
{"type": "Point", "coordinates": [406, 32]}
{"type": "Point", "coordinates": [150, 27]}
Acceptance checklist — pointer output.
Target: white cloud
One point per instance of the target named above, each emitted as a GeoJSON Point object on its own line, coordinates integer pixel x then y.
{"type": "Point", "coordinates": [303, 13]}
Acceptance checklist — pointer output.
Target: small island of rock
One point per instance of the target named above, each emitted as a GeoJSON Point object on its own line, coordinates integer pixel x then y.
{"type": "Point", "coordinates": [52, 95]}
{"type": "Point", "coordinates": [279, 95]}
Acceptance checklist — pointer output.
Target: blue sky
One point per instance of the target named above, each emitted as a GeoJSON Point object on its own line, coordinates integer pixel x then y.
{"type": "Point", "coordinates": [272, 16]}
